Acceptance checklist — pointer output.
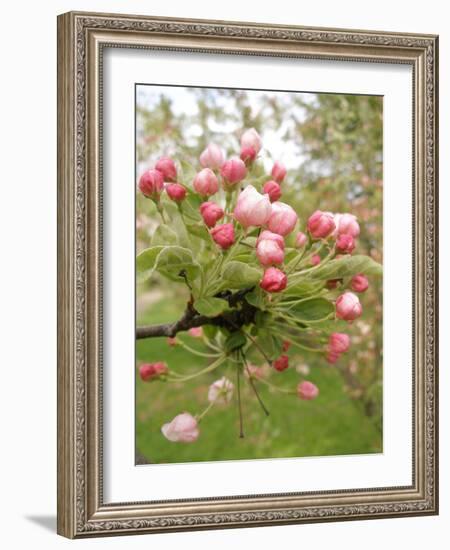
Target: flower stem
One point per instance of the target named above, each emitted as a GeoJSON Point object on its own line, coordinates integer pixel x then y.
{"type": "Point", "coordinates": [202, 414]}
{"type": "Point", "coordinates": [238, 384]}
{"type": "Point", "coordinates": [277, 388]}
{"type": "Point", "coordinates": [252, 384]}
{"type": "Point", "coordinates": [195, 352]}
{"type": "Point", "coordinates": [209, 368]}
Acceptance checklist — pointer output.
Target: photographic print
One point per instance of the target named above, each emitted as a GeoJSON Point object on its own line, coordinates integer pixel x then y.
{"type": "Point", "coordinates": [258, 274]}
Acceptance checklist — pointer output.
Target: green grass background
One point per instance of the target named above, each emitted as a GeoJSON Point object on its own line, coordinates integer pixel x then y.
{"type": "Point", "coordinates": [333, 424]}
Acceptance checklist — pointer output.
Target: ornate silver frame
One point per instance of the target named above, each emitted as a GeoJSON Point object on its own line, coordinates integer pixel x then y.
{"type": "Point", "coordinates": [81, 39]}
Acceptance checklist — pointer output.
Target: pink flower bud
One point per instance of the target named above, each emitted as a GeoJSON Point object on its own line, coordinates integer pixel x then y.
{"type": "Point", "coordinates": [333, 283]}
{"type": "Point", "coordinates": [167, 168]}
{"type": "Point", "coordinates": [278, 172]}
{"type": "Point", "coordinates": [274, 280]}
{"type": "Point", "coordinates": [273, 189]}
{"type": "Point", "coordinates": [176, 192]}
{"type": "Point", "coordinates": [348, 306]}
{"type": "Point", "coordinates": [251, 138]}
{"type": "Point", "coordinates": [183, 428]}
{"type": "Point", "coordinates": [307, 390]}
{"type": "Point", "coordinates": [268, 235]}
{"type": "Point", "coordinates": [223, 235]}
{"type": "Point", "coordinates": [212, 157]}
{"type": "Point", "coordinates": [338, 342]}
{"type": "Point", "coordinates": [206, 182]}
{"type": "Point", "coordinates": [233, 171]}
{"type": "Point", "coordinates": [332, 357]}
{"type": "Point", "coordinates": [151, 371]}
{"type": "Point", "coordinates": [254, 371]}
{"type": "Point", "coordinates": [281, 364]}
{"type": "Point", "coordinates": [315, 259]}
{"type": "Point", "coordinates": [346, 224]}
{"type": "Point", "coordinates": [270, 248]}
{"type": "Point", "coordinates": [151, 184]}
{"type": "Point", "coordinates": [300, 240]}
{"type": "Point", "coordinates": [221, 391]}
{"type": "Point", "coordinates": [321, 224]}
{"type": "Point", "coordinates": [282, 219]}
{"type": "Point", "coordinates": [172, 341]}
{"type": "Point", "coordinates": [359, 283]}
{"type": "Point", "coordinates": [286, 345]}
{"type": "Point", "coordinates": [211, 213]}
{"type": "Point", "coordinates": [269, 253]}
{"type": "Point", "coordinates": [345, 244]}
{"type": "Point", "coordinates": [195, 332]}
{"type": "Point", "coordinates": [248, 155]}
{"type": "Point", "coordinates": [252, 208]}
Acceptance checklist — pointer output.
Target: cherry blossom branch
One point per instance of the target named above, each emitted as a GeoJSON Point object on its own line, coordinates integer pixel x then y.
{"type": "Point", "coordinates": [192, 319]}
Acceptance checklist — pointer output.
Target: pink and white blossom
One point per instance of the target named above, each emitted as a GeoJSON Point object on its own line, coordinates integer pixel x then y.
{"type": "Point", "coordinates": [183, 428]}
{"type": "Point", "coordinates": [223, 235]}
{"type": "Point", "coordinates": [221, 391]}
{"type": "Point", "coordinates": [307, 390]}
{"type": "Point", "coordinates": [278, 172]}
{"type": "Point", "coordinates": [233, 171]}
{"type": "Point", "coordinates": [270, 248]}
{"type": "Point", "coordinates": [251, 139]}
{"type": "Point", "coordinates": [359, 283]}
{"type": "Point", "coordinates": [321, 224]}
{"type": "Point", "coordinates": [252, 208]}
{"type": "Point", "coordinates": [301, 239]}
{"type": "Point", "coordinates": [345, 244]}
{"type": "Point", "coordinates": [274, 280]}
{"type": "Point", "coordinates": [176, 192]}
{"type": "Point", "coordinates": [167, 168]}
{"type": "Point", "coordinates": [151, 184]}
{"type": "Point", "coordinates": [273, 189]}
{"type": "Point", "coordinates": [283, 219]}
{"type": "Point", "coordinates": [206, 182]}
{"type": "Point", "coordinates": [212, 157]}
{"type": "Point", "coordinates": [151, 371]}
{"type": "Point", "coordinates": [211, 213]}
{"type": "Point", "coordinates": [346, 224]}
{"type": "Point", "coordinates": [348, 306]}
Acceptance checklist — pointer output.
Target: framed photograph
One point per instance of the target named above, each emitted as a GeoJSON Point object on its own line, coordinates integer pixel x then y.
{"type": "Point", "coordinates": [247, 282]}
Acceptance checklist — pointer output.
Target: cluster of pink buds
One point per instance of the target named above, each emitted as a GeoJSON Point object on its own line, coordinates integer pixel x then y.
{"type": "Point", "coordinates": [163, 176]}
{"type": "Point", "coordinates": [338, 343]}
{"type": "Point", "coordinates": [343, 227]}
{"type": "Point", "coordinates": [153, 371]}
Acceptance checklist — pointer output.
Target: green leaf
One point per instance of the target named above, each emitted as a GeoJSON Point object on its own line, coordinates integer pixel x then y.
{"type": "Point", "coordinates": [257, 298]}
{"type": "Point", "coordinates": [302, 289]}
{"type": "Point", "coordinates": [313, 309]}
{"type": "Point", "coordinates": [211, 307]}
{"type": "Point", "coordinates": [346, 267]}
{"type": "Point", "coordinates": [146, 260]}
{"type": "Point", "coordinates": [164, 236]}
{"type": "Point", "coordinates": [170, 261]}
{"type": "Point", "coordinates": [174, 260]}
{"type": "Point", "coordinates": [199, 230]}
{"type": "Point", "coordinates": [271, 345]}
{"type": "Point", "coordinates": [235, 341]}
{"type": "Point", "coordinates": [240, 275]}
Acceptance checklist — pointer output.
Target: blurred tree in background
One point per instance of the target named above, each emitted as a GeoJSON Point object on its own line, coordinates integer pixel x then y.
{"type": "Point", "coordinates": [332, 147]}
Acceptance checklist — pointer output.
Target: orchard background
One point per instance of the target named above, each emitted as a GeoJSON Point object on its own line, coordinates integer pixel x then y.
{"type": "Point", "coordinates": [332, 147]}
